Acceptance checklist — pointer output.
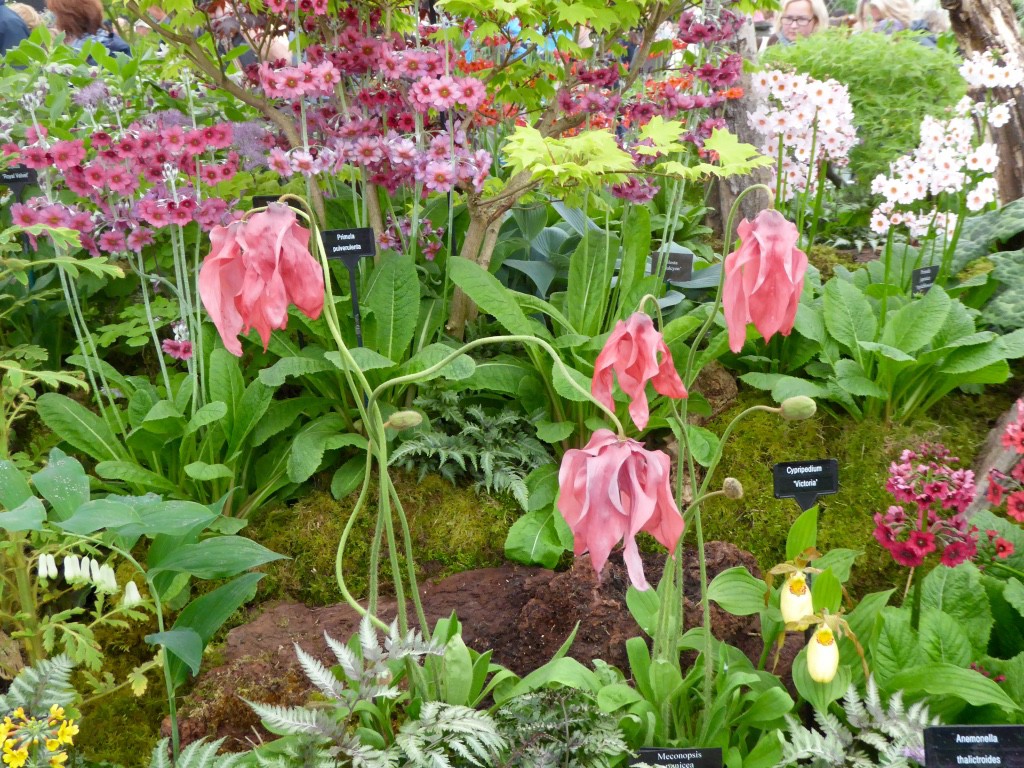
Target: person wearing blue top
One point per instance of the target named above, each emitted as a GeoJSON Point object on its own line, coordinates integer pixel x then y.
{"type": "Point", "coordinates": [81, 21]}
{"type": "Point", "coordinates": [12, 29]}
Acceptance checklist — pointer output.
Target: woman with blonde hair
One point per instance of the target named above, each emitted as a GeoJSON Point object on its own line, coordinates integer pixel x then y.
{"type": "Point", "coordinates": [890, 15]}
{"type": "Point", "coordinates": [800, 18]}
{"type": "Point", "coordinates": [28, 14]}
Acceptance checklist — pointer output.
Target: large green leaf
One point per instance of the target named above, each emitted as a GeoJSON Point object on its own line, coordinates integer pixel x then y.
{"type": "Point", "coordinates": [279, 372]}
{"type": "Point", "coordinates": [894, 646]}
{"type": "Point", "coordinates": [208, 414]}
{"type": "Point", "coordinates": [564, 388]}
{"type": "Point", "coordinates": [738, 592]}
{"type": "Point", "coordinates": [393, 301]}
{"type": "Point", "coordinates": [217, 558]}
{"type": "Point", "coordinates": [224, 382]}
{"type": "Point", "coordinates": [78, 426]}
{"type": "Point", "coordinates": [99, 514]}
{"type": "Point", "coordinates": [636, 249]}
{"type": "Point", "coordinates": [849, 317]}
{"type": "Point", "coordinates": [27, 516]}
{"type": "Point", "coordinates": [951, 680]}
{"type": "Point", "coordinates": [282, 414]}
{"type": "Point", "coordinates": [313, 440]}
{"type": "Point", "coordinates": [251, 409]}
{"type": "Point", "coordinates": [206, 614]}
{"type": "Point", "coordinates": [460, 368]}
{"type": "Point", "coordinates": [200, 470]}
{"type": "Point", "coordinates": [14, 489]}
{"type": "Point", "coordinates": [803, 534]}
{"type": "Point", "coordinates": [819, 695]}
{"type": "Point", "coordinates": [131, 473]}
{"type": "Point", "coordinates": [943, 639]}
{"type": "Point", "coordinates": [538, 538]}
{"type": "Point", "coordinates": [959, 592]}
{"type": "Point", "coordinates": [490, 295]}
{"type": "Point", "coordinates": [590, 278]}
{"type": "Point", "coordinates": [63, 483]}
{"type": "Point", "coordinates": [915, 324]}
{"type": "Point", "coordinates": [164, 419]}
{"type": "Point", "coordinates": [501, 374]}
{"type": "Point", "coordinates": [183, 645]}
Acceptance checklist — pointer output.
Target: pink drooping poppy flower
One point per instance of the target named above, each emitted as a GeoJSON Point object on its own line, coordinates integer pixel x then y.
{"type": "Point", "coordinates": [763, 278]}
{"type": "Point", "coordinates": [611, 490]}
{"type": "Point", "coordinates": [257, 267]}
{"type": "Point", "coordinates": [632, 353]}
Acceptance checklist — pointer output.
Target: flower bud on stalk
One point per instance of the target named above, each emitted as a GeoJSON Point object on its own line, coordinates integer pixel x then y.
{"type": "Point", "coordinates": [132, 597]}
{"type": "Point", "coordinates": [72, 569]}
{"type": "Point", "coordinates": [795, 601]}
{"type": "Point", "coordinates": [732, 488]}
{"type": "Point", "coordinates": [798, 408]}
{"type": "Point", "coordinates": [822, 655]}
{"type": "Point", "coordinates": [404, 420]}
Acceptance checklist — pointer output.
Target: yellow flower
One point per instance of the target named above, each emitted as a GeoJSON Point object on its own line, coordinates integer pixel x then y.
{"type": "Point", "coordinates": [822, 655]}
{"type": "Point", "coordinates": [56, 761]}
{"type": "Point", "coordinates": [15, 758]}
{"type": "Point", "coordinates": [19, 714]}
{"type": "Point", "coordinates": [52, 745]}
{"type": "Point", "coordinates": [57, 712]}
{"type": "Point", "coordinates": [68, 730]}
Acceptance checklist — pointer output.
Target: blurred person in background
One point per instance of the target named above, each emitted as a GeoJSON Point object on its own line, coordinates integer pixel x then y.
{"type": "Point", "coordinates": [28, 14]}
{"type": "Point", "coordinates": [889, 16]}
{"type": "Point", "coordinates": [799, 18]}
{"type": "Point", "coordinates": [12, 28]}
{"type": "Point", "coordinates": [81, 21]}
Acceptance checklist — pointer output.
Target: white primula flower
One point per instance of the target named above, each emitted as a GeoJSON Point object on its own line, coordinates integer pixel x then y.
{"type": "Point", "coordinates": [795, 602]}
{"type": "Point", "coordinates": [879, 223]}
{"type": "Point", "coordinates": [999, 115]}
{"type": "Point", "coordinates": [822, 655]}
{"type": "Point", "coordinates": [131, 595]}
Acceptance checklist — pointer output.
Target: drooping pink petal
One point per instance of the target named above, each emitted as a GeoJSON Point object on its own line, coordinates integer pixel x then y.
{"type": "Point", "coordinates": [220, 280]}
{"type": "Point", "coordinates": [763, 278]}
{"type": "Point", "coordinates": [631, 353]}
{"type": "Point", "coordinates": [612, 489]}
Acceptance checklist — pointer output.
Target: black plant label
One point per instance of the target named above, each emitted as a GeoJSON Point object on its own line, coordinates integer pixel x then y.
{"type": "Point", "coordinates": [805, 481]}
{"type": "Point", "coordinates": [974, 746]}
{"type": "Point", "coordinates": [679, 267]}
{"type": "Point", "coordinates": [349, 245]}
{"type": "Point", "coordinates": [17, 176]}
{"type": "Point", "coordinates": [922, 280]}
{"type": "Point", "coordinates": [691, 757]}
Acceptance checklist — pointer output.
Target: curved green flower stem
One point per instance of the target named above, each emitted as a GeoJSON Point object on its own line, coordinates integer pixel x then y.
{"type": "Point", "coordinates": [688, 373]}
{"type": "Point", "coordinates": [140, 271]}
{"type": "Point", "coordinates": [1006, 569]}
{"type": "Point", "coordinates": [915, 609]}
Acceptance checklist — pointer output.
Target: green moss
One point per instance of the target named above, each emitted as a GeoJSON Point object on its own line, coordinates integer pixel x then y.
{"type": "Point", "coordinates": [122, 728]}
{"type": "Point", "coordinates": [453, 529]}
{"type": "Point", "coordinates": [759, 522]}
{"type": "Point", "coordinates": [826, 259]}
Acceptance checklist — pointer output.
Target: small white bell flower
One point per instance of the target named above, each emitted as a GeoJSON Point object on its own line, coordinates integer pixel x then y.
{"type": "Point", "coordinates": [51, 567]}
{"type": "Point", "coordinates": [94, 571]}
{"type": "Point", "coordinates": [795, 601]}
{"type": "Point", "coordinates": [822, 655]}
{"type": "Point", "coordinates": [72, 569]}
{"type": "Point", "coordinates": [105, 580]}
{"type": "Point", "coordinates": [131, 595]}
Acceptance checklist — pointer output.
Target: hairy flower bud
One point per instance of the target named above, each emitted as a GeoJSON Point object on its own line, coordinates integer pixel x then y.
{"type": "Point", "coordinates": [404, 420]}
{"type": "Point", "coordinates": [795, 601]}
{"type": "Point", "coordinates": [822, 655]}
{"type": "Point", "coordinates": [732, 488]}
{"type": "Point", "coordinates": [798, 408]}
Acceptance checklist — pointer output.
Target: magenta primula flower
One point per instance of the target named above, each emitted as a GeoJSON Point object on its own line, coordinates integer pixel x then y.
{"type": "Point", "coordinates": [611, 490]}
{"type": "Point", "coordinates": [763, 278]}
{"type": "Point", "coordinates": [632, 353]}
{"type": "Point", "coordinates": [257, 267]}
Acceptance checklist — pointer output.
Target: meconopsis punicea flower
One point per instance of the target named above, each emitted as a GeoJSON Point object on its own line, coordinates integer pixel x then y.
{"type": "Point", "coordinates": [256, 268]}
{"type": "Point", "coordinates": [763, 278]}
{"type": "Point", "coordinates": [812, 118]}
{"type": "Point", "coordinates": [612, 489]}
{"type": "Point", "coordinates": [632, 353]}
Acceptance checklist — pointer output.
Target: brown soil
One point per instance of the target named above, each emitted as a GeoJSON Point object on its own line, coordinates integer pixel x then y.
{"type": "Point", "coordinates": [522, 614]}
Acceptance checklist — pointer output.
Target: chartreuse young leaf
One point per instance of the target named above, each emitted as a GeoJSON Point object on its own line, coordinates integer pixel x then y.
{"type": "Point", "coordinates": [803, 534]}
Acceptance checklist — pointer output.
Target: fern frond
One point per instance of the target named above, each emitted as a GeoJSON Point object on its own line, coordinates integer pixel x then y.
{"type": "Point", "coordinates": [293, 721]}
{"type": "Point", "coordinates": [349, 662]}
{"type": "Point", "coordinates": [40, 686]}
{"type": "Point", "coordinates": [319, 675]}
{"type": "Point", "coordinates": [198, 754]}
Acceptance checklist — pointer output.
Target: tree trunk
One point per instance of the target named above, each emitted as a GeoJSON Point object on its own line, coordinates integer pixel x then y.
{"type": "Point", "coordinates": [729, 188]}
{"type": "Point", "coordinates": [983, 24]}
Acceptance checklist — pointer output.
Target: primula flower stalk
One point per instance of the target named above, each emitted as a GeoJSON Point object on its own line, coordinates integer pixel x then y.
{"type": "Point", "coordinates": [763, 278]}
{"type": "Point", "coordinates": [610, 491]}
{"type": "Point", "coordinates": [258, 266]}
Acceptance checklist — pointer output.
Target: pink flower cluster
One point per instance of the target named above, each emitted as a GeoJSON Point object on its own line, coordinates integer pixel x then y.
{"type": "Point", "coordinates": [934, 497]}
{"type": "Point", "coordinates": [811, 119]}
{"type": "Point", "coordinates": [429, 238]}
{"type": "Point", "coordinates": [1010, 488]}
{"type": "Point", "coordinates": [296, 82]}
{"type": "Point", "coordinates": [704, 30]}
{"type": "Point", "coordinates": [124, 183]}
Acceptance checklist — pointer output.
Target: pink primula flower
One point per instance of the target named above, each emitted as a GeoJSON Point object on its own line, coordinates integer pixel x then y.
{"type": "Point", "coordinates": [763, 279]}
{"type": "Point", "coordinates": [257, 267]}
{"type": "Point", "coordinates": [610, 491]}
{"type": "Point", "coordinates": [632, 353]}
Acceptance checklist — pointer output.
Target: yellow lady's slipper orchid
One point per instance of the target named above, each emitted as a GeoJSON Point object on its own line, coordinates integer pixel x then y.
{"type": "Point", "coordinates": [795, 602]}
{"type": "Point", "coordinates": [822, 655]}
